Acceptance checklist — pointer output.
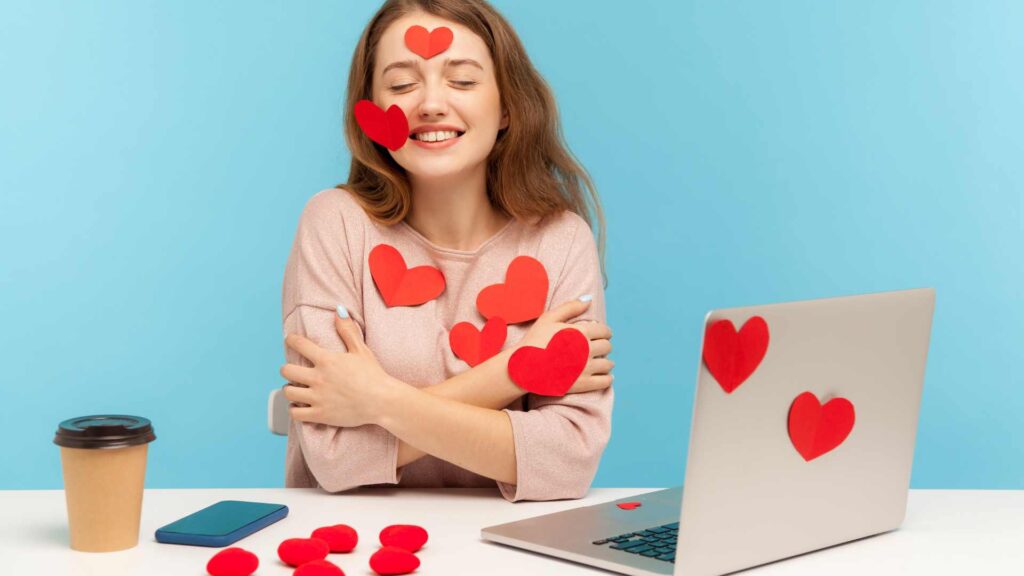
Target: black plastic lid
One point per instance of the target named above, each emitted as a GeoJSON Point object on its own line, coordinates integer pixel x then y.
{"type": "Point", "coordinates": [104, 431]}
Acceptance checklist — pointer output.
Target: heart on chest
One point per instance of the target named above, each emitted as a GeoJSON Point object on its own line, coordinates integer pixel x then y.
{"type": "Point", "coordinates": [400, 285]}
{"type": "Point", "coordinates": [521, 297]}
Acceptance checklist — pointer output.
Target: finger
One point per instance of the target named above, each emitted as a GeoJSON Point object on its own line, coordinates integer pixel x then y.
{"type": "Point", "coordinates": [349, 331]}
{"type": "Point", "coordinates": [301, 414]}
{"type": "Point", "coordinates": [306, 347]}
{"type": "Point", "coordinates": [596, 330]}
{"type": "Point", "coordinates": [567, 311]}
{"type": "Point", "coordinates": [600, 366]}
{"type": "Point", "coordinates": [300, 374]}
{"type": "Point", "coordinates": [600, 348]}
{"type": "Point", "coordinates": [591, 383]}
{"type": "Point", "coordinates": [298, 394]}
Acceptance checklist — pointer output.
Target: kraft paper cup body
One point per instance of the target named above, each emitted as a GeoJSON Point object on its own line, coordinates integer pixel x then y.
{"type": "Point", "coordinates": [104, 465]}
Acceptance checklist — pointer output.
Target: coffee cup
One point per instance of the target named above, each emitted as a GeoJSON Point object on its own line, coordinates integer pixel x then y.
{"type": "Point", "coordinates": [103, 458]}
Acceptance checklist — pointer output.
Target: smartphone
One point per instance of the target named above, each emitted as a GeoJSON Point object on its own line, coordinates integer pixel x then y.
{"type": "Point", "coordinates": [221, 524]}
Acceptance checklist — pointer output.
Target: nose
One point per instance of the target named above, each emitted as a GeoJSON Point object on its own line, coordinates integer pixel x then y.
{"type": "Point", "coordinates": [434, 103]}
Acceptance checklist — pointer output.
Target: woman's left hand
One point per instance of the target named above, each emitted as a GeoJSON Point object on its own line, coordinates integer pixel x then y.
{"type": "Point", "coordinates": [344, 389]}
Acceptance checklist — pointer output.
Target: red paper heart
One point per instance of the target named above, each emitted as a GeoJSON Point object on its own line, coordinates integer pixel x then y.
{"type": "Point", "coordinates": [551, 371]}
{"type": "Point", "coordinates": [319, 568]}
{"type": "Point", "coordinates": [405, 536]}
{"type": "Point", "coordinates": [389, 129]}
{"type": "Point", "coordinates": [340, 537]}
{"type": "Point", "coordinates": [393, 560]}
{"type": "Point", "coordinates": [399, 285]}
{"type": "Point", "coordinates": [521, 297]}
{"type": "Point", "coordinates": [815, 429]}
{"type": "Point", "coordinates": [732, 356]}
{"type": "Point", "coordinates": [476, 346]}
{"type": "Point", "coordinates": [297, 551]}
{"type": "Point", "coordinates": [629, 505]}
{"type": "Point", "coordinates": [233, 562]}
{"type": "Point", "coordinates": [428, 44]}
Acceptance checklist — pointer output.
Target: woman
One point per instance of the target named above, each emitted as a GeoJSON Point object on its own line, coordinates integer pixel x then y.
{"type": "Point", "coordinates": [378, 394]}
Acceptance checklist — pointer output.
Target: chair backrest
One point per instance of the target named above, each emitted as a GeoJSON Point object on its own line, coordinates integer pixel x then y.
{"type": "Point", "coordinates": [278, 417]}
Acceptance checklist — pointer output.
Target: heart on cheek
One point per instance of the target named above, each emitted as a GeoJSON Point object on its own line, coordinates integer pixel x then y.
{"type": "Point", "coordinates": [389, 129]}
{"type": "Point", "coordinates": [428, 44]}
{"type": "Point", "coordinates": [551, 371]}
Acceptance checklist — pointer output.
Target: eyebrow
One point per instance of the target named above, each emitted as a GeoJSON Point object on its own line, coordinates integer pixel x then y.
{"type": "Point", "coordinates": [415, 64]}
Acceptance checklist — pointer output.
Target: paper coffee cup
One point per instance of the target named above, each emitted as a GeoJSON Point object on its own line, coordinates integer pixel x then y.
{"type": "Point", "coordinates": [104, 463]}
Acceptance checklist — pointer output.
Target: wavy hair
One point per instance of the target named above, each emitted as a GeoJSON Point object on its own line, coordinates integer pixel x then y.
{"type": "Point", "coordinates": [531, 172]}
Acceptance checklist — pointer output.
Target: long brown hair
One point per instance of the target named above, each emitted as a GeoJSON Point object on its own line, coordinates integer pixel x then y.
{"type": "Point", "coordinates": [531, 172]}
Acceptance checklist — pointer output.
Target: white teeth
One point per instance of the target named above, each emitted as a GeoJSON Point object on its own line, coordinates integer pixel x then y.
{"type": "Point", "coordinates": [435, 136]}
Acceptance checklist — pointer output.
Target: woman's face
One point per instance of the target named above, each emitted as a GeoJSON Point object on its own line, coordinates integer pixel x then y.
{"type": "Point", "coordinates": [455, 91]}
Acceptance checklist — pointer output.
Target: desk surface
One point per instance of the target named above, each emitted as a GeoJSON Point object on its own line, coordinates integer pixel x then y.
{"type": "Point", "coordinates": [946, 532]}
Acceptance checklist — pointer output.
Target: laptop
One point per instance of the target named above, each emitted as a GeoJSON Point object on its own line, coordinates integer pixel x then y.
{"type": "Point", "coordinates": [771, 472]}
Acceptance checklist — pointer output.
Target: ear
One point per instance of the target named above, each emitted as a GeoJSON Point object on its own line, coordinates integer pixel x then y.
{"type": "Point", "coordinates": [504, 119]}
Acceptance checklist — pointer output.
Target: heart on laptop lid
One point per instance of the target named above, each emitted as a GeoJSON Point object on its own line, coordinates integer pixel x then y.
{"type": "Point", "coordinates": [733, 356]}
{"type": "Point", "coordinates": [816, 429]}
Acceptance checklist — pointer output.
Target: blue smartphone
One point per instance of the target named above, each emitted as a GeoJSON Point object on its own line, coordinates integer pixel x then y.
{"type": "Point", "coordinates": [221, 524]}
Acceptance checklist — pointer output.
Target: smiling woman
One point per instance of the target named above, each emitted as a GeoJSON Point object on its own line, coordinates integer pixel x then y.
{"type": "Point", "coordinates": [384, 267]}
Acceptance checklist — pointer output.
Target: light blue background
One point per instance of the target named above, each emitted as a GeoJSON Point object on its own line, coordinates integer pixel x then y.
{"type": "Point", "coordinates": [154, 159]}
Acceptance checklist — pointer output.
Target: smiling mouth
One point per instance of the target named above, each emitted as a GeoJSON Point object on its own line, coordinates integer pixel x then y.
{"type": "Point", "coordinates": [439, 136]}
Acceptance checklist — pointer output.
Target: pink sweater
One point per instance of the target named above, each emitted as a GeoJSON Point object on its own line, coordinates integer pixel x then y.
{"type": "Point", "coordinates": [558, 441]}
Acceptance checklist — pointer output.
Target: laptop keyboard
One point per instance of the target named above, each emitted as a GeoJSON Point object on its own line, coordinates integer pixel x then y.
{"type": "Point", "coordinates": [658, 542]}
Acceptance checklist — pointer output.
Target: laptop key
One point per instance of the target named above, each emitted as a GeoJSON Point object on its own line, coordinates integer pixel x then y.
{"type": "Point", "coordinates": [658, 530]}
{"type": "Point", "coordinates": [650, 553]}
{"type": "Point", "coordinates": [628, 545]}
{"type": "Point", "coordinates": [669, 556]}
{"type": "Point", "coordinates": [603, 541]}
{"type": "Point", "coordinates": [640, 549]}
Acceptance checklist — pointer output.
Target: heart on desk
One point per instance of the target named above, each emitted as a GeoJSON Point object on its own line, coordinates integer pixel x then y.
{"type": "Point", "coordinates": [817, 429]}
{"type": "Point", "coordinates": [629, 505]}
{"type": "Point", "coordinates": [551, 371]}
{"type": "Point", "coordinates": [521, 297]}
{"type": "Point", "coordinates": [400, 285]}
{"type": "Point", "coordinates": [731, 356]}
{"type": "Point", "coordinates": [476, 346]}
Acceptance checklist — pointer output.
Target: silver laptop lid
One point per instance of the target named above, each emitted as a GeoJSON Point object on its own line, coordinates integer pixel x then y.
{"type": "Point", "coordinates": [749, 496]}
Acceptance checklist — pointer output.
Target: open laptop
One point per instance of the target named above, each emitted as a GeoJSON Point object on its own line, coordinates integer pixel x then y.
{"type": "Point", "coordinates": [750, 496]}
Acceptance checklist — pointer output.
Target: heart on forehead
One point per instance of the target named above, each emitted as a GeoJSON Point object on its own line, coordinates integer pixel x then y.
{"type": "Point", "coordinates": [551, 371]}
{"type": "Point", "coordinates": [400, 285]}
{"type": "Point", "coordinates": [817, 429]}
{"type": "Point", "coordinates": [732, 356]}
{"type": "Point", "coordinates": [521, 297]}
{"type": "Point", "coordinates": [389, 129]}
{"type": "Point", "coordinates": [428, 44]}
{"type": "Point", "coordinates": [476, 346]}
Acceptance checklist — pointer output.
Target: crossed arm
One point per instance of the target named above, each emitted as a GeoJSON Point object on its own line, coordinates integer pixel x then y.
{"type": "Point", "coordinates": [458, 420]}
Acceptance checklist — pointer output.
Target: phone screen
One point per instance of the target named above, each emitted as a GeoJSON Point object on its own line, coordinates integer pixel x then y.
{"type": "Point", "coordinates": [222, 518]}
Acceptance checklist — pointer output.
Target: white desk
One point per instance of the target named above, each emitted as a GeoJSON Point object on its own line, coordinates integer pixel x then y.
{"type": "Point", "coordinates": [946, 532]}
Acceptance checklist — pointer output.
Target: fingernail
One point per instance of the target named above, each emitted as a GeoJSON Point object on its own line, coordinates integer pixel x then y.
{"type": "Point", "coordinates": [612, 376]}
{"type": "Point", "coordinates": [586, 298]}
{"type": "Point", "coordinates": [342, 311]}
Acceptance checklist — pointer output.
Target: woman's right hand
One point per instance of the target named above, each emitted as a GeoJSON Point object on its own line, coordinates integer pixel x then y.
{"type": "Point", "coordinates": [597, 374]}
